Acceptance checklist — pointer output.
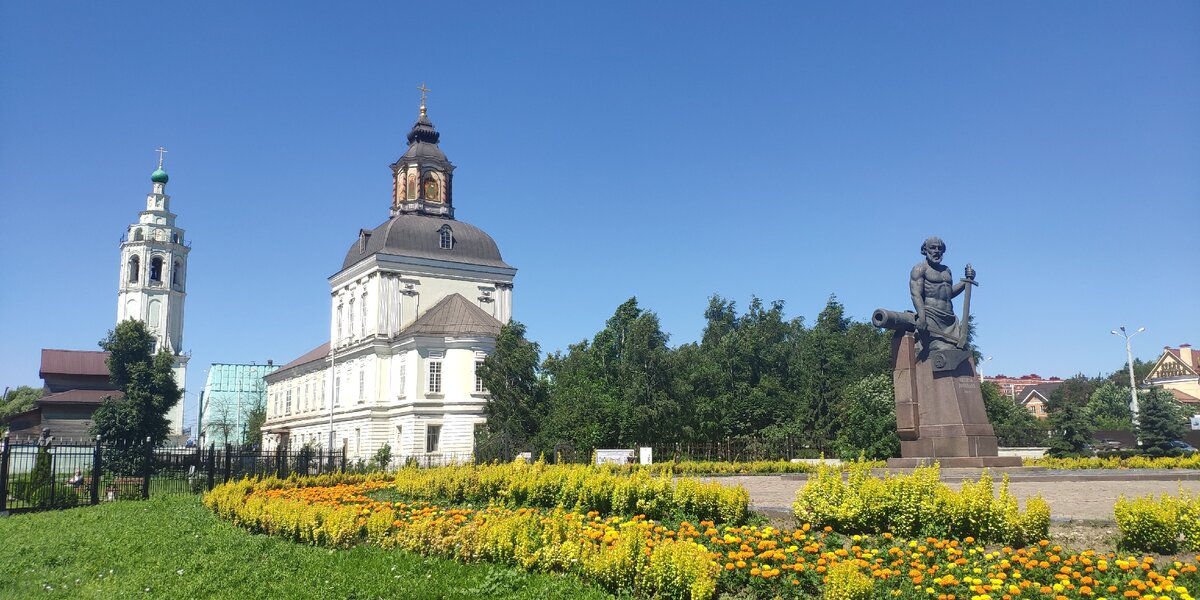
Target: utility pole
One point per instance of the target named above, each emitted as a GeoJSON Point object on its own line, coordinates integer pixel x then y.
{"type": "Point", "coordinates": [1133, 401]}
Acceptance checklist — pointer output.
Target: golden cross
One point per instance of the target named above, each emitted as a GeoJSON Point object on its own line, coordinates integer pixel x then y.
{"type": "Point", "coordinates": [161, 151]}
{"type": "Point", "coordinates": [424, 90]}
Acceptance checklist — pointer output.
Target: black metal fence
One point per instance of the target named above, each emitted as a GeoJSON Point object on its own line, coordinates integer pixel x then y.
{"type": "Point", "coordinates": [40, 478]}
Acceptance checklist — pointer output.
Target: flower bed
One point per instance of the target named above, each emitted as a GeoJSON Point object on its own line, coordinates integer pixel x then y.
{"type": "Point", "coordinates": [647, 558]}
{"type": "Point", "coordinates": [919, 505]}
{"type": "Point", "coordinates": [577, 487]}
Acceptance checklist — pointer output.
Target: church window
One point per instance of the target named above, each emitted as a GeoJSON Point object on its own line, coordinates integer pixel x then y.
{"type": "Point", "coordinates": [430, 187]}
{"type": "Point", "coordinates": [174, 238]}
{"type": "Point", "coordinates": [135, 266]}
{"type": "Point", "coordinates": [435, 376]}
{"type": "Point", "coordinates": [156, 269]}
{"type": "Point", "coordinates": [445, 238]}
{"type": "Point", "coordinates": [362, 322]}
{"type": "Point", "coordinates": [400, 376]}
{"type": "Point", "coordinates": [137, 235]}
{"type": "Point", "coordinates": [177, 274]}
{"type": "Point", "coordinates": [479, 358]}
{"type": "Point", "coordinates": [339, 323]}
{"type": "Point", "coordinates": [433, 433]}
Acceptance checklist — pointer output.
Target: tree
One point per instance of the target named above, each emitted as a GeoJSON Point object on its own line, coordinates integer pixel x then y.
{"type": "Point", "coordinates": [148, 381]}
{"type": "Point", "coordinates": [1160, 419]}
{"type": "Point", "coordinates": [1141, 370]}
{"type": "Point", "coordinates": [1070, 425]}
{"type": "Point", "coordinates": [254, 424]}
{"type": "Point", "coordinates": [823, 370]}
{"type": "Point", "coordinates": [517, 394]}
{"type": "Point", "coordinates": [19, 400]}
{"type": "Point", "coordinates": [868, 409]}
{"type": "Point", "coordinates": [1014, 425]}
{"type": "Point", "coordinates": [1109, 406]}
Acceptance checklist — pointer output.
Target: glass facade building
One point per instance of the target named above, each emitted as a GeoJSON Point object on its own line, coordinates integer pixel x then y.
{"type": "Point", "coordinates": [231, 393]}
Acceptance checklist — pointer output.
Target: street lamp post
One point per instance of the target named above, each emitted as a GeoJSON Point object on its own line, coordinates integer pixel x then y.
{"type": "Point", "coordinates": [981, 366]}
{"type": "Point", "coordinates": [1133, 401]}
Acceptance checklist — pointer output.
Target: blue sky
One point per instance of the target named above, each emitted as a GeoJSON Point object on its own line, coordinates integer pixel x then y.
{"type": "Point", "coordinates": [667, 151]}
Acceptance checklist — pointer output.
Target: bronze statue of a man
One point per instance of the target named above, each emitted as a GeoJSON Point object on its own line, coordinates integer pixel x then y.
{"type": "Point", "coordinates": [932, 288]}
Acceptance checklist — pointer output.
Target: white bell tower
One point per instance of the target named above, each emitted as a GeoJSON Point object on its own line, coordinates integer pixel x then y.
{"type": "Point", "coordinates": [153, 278]}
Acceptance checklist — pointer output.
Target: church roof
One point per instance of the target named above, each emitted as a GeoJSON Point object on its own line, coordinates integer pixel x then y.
{"type": "Point", "coordinates": [316, 354]}
{"type": "Point", "coordinates": [454, 315]}
{"type": "Point", "coordinates": [73, 362]}
{"type": "Point", "coordinates": [422, 145]}
{"type": "Point", "coordinates": [417, 236]}
{"type": "Point", "coordinates": [80, 397]}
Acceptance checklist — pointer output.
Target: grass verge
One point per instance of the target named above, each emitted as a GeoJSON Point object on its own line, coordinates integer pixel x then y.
{"type": "Point", "coordinates": [174, 547]}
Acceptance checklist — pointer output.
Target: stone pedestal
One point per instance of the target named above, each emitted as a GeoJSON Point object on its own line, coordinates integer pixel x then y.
{"type": "Point", "coordinates": [940, 415]}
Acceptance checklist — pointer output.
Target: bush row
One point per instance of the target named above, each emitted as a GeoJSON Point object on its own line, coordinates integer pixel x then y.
{"type": "Point", "coordinates": [577, 487]}
{"type": "Point", "coordinates": [919, 505]}
{"type": "Point", "coordinates": [758, 467]}
{"type": "Point", "coordinates": [1117, 462]}
{"type": "Point", "coordinates": [627, 556]}
{"type": "Point", "coordinates": [1165, 525]}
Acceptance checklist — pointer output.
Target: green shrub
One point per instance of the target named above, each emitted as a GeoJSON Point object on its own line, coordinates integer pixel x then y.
{"type": "Point", "coordinates": [919, 505]}
{"type": "Point", "coordinates": [846, 582]}
{"type": "Point", "coordinates": [576, 487]}
{"type": "Point", "coordinates": [1164, 525]}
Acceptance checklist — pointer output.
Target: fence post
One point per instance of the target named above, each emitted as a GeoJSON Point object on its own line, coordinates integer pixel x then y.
{"type": "Point", "coordinates": [4, 454]}
{"type": "Point", "coordinates": [280, 462]}
{"type": "Point", "coordinates": [343, 456]}
{"type": "Point", "coordinates": [146, 467]}
{"type": "Point", "coordinates": [97, 462]}
{"type": "Point", "coordinates": [228, 462]}
{"type": "Point", "coordinates": [212, 464]}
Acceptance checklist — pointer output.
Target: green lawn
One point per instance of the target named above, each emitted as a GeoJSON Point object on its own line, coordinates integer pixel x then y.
{"type": "Point", "coordinates": [173, 547]}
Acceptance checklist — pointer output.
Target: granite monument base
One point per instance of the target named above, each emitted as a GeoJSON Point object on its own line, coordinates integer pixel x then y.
{"type": "Point", "coordinates": [939, 413]}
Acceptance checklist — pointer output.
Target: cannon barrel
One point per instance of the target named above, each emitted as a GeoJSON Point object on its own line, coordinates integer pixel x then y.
{"type": "Point", "coordinates": [894, 320]}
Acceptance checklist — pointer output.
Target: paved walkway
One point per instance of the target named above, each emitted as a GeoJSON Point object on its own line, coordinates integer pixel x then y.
{"type": "Point", "coordinates": [1073, 495]}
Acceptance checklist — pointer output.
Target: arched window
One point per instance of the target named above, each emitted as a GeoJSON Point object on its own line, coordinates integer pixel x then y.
{"type": "Point", "coordinates": [445, 238]}
{"type": "Point", "coordinates": [156, 269]}
{"type": "Point", "coordinates": [135, 267]}
{"type": "Point", "coordinates": [177, 274]}
{"type": "Point", "coordinates": [137, 235]}
{"type": "Point", "coordinates": [351, 332]}
{"type": "Point", "coordinates": [174, 238]}
{"type": "Point", "coordinates": [430, 188]}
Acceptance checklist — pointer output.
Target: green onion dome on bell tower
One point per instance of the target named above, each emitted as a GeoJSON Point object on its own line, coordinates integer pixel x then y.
{"type": "Point", "coordinates": [158, 176]}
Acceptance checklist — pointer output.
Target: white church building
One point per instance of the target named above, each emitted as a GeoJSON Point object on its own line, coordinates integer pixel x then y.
{"type": "Point", "coordinates": [415, 308]}
{"type": "Point", "coordinates": [152, 284]}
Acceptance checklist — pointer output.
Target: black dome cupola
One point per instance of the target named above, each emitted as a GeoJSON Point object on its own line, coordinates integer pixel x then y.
{"type": "Point", "coordinates": [421, 179]}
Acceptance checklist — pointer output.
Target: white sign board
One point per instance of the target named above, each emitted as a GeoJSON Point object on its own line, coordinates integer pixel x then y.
{"type": "Point", "coordinates": [646, 455]}
{"type": "Point", "coordinates": [623, 456]}
{"type": "Point", "coordinates": [525, 456]}
{"type": "Point", "coordinates": [1195, 422]}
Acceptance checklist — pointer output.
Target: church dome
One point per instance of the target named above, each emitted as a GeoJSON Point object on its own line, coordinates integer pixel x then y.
{"type": "Point", "coordinates": [159, 176]}
{"type": "Point", "coordinates": [421, 236]}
